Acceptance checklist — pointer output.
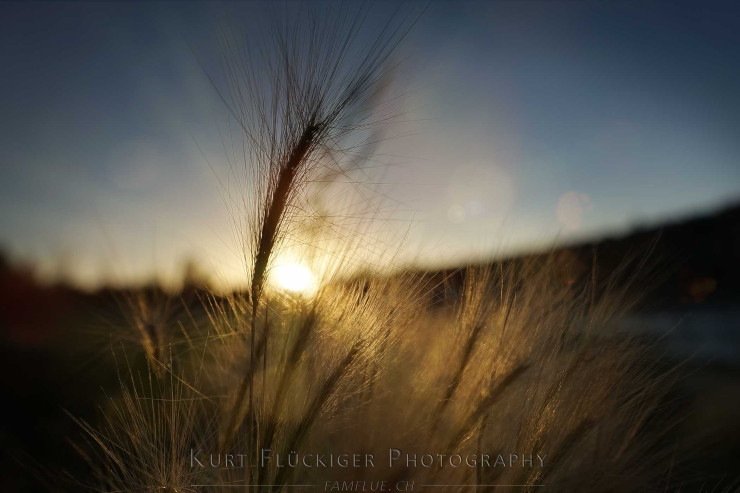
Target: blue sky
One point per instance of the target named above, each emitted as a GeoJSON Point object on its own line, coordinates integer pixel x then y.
{"type": "Point", "coordinates": [522, 122]}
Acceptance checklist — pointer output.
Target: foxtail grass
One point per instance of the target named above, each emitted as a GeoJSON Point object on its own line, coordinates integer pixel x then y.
{"type": "Point", "coordinates": [517, 358]}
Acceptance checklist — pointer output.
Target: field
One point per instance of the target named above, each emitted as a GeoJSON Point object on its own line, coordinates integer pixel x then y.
{"type": "Point", "coordinates": [333, 366]}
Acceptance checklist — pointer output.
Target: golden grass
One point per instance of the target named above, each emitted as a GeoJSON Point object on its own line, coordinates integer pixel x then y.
{"type": "Point", "coordinates": [514, 360]}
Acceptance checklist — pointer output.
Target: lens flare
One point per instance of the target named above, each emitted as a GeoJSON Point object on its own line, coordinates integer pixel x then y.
{"type": "Point", "coordinates": [293, 277]}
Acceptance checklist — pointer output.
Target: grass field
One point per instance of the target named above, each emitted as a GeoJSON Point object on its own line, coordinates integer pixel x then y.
{"type": "Point", "coordinates": [337, 370]}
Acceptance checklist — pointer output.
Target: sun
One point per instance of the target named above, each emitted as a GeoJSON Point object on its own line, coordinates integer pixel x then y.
{"type": "Point", "coordinates": [293, 277]}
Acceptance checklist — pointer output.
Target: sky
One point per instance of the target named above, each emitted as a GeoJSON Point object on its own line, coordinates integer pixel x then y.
{"type": "Point", "coordinates": [523, 123]}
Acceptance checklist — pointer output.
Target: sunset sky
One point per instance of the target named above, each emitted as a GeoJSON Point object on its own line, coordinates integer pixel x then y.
{"type": "Point", "coordinates": [522, 122]}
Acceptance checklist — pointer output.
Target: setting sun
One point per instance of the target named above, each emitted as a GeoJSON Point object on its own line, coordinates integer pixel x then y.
{"type": "Point", "coordinates": [293, 277]}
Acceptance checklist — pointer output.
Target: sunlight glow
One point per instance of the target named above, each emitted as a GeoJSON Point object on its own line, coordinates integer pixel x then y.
{"type": "Point", "coordinates": [293, 277]}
